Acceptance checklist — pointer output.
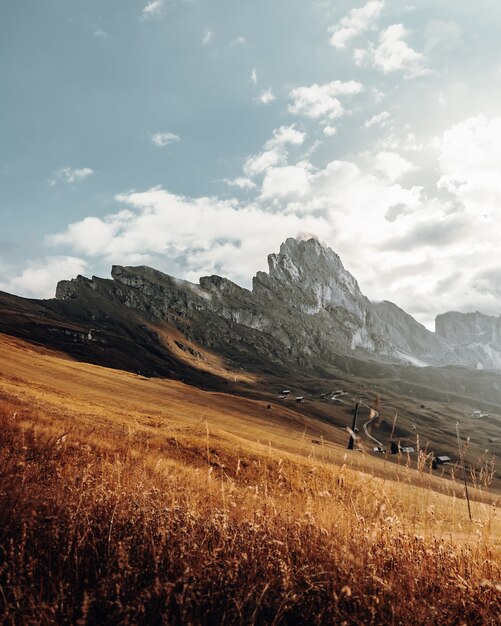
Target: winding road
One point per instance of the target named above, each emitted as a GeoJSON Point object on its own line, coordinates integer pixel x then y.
{"type": "Point", "coordinates": [373, 415]}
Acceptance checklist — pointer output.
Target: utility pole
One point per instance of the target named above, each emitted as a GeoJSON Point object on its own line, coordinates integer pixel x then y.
{"type": "Point", "coordinates": [353, 428]}
{"type": "Point", "coordinates": [464, 472]}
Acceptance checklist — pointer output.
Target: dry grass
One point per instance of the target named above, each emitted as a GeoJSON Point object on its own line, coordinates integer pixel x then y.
{"type": "Point", "coordinates": [128, 501]}
{"type": "Point", "coordinates": [196, 355]}
{"type": "Point", "coordinates": [98, 528]}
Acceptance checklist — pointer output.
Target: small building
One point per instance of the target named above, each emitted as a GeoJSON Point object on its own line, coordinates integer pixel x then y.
{"type": "Point", "coordinates": [300, 399]}
{"type": "Point", "coordinates": [286, 392]}
{"type": "Point", "coordinates": [440, 460]}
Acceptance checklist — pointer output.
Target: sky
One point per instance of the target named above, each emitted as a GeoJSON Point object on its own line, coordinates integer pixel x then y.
{"type": "Point", "coordinates": [195, 136]}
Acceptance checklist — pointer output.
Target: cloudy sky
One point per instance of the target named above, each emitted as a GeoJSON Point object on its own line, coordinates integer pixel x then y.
{"type": "Point", "coordinates": [196, 135]}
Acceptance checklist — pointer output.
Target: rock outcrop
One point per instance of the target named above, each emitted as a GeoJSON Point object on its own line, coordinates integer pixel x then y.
{"type": "Point", "coordinates": [401, 336]}
{"type": "Point", "coordinates": [475, 337]}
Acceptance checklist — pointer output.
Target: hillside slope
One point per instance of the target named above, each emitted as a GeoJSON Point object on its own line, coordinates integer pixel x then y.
{"type": "Point", "coordinates": [149, 501]}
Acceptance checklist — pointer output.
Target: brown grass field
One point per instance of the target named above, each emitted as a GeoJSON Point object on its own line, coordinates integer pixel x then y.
{"type": "Point", "coordinates": [126, 500]}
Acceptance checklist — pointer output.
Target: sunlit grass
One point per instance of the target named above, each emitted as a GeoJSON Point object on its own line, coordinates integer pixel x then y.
{"type": "Point", "coordinates": [127, 500]}
{"type": "Point", "coordinates": [104, 526]}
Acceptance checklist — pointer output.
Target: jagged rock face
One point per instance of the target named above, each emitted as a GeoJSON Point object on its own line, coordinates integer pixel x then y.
{"type": "Point", "coordinates": [310, 278]}
{"type": "Point", "coordinates": [401, 335]}
{"type": "Point", "coordinates": [312, 284]}
{"type": "Point", "coordinates": [67, 289]}
{"type": "Point", "coordinates": [307, 308]}
{"type": "Point", "coordinates": [475, 337]}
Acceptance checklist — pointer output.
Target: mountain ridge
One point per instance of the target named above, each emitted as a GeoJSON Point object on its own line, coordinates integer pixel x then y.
{"type": "Point", "coordinates": [310, 305]}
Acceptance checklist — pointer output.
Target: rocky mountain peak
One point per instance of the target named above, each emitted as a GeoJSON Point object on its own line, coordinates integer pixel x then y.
{"type": "Point", "coordinates": [461, 328]}
{"type": "Point", "coordinates": [309, 260]}
{"type": "Point", "coordinates": [310, 277]}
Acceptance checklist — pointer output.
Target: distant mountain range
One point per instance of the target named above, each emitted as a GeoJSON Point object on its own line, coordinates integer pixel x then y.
{"type": "Point", "coordinates": [308, 306]}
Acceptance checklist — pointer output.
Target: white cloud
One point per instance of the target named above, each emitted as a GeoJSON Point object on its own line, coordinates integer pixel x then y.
{"type": "Point", "coordinates": [164, 139]}
{"type": "Point", "coordinates": [322, 101]}
{"type": "Point", "coordinates": [103, 231]}
{"type": "Point", "coordinates": [240, 183]}
{"type": "Point", "coordinates": [377, 120]}
{"type": "Point", "coordinates": [339, 188]}
{"type": "Point", "coordinates": [288, 181]}
{"type": "Point", "coordinates": [394, 54]}
{"type": "Point", "coordinates": [275, 150]}
{"type": "Point", "coordinates": [456, 238]}
{"type": "Point", "coordinates": [258, 163]}
{"type": "Point", "coordinates": [393, 165]}
{"type": "Point", "coordinates": [70, 175]}
{"type": "Point", "coordinates": [39, 278]}
{"type": "Point", "coordinates": [355, 23]}
{"type": "Point", "coordinates": [402, 141]}
{"type": "Point", "coordinates": [469, 162]}
{"type": "Point", "coordinates": [266, 96]}
{"type": "Point", "coordinates": [286, 135]}
{"type": "Point", "coordinates": [214, 235]}
{"type": "Point", "coordinates": [254, 77]}
{"type": "Point", "coordinates": [153, 10]}
{"type": "Point", "coordinates": [207, 38]}
{"type": "Point", "coordinates": [329, 131]}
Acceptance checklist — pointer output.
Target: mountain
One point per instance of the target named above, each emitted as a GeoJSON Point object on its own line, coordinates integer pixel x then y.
{"type": "Point", "coordinates": [307, 307]}
{"type": "Point", "coordinates": [404, 338]}
{"type": "Point", "coordinates": [475, 337]}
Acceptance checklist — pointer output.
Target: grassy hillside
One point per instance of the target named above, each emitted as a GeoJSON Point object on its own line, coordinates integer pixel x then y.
{"type": "Point", "coordinates": [146, 501]}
